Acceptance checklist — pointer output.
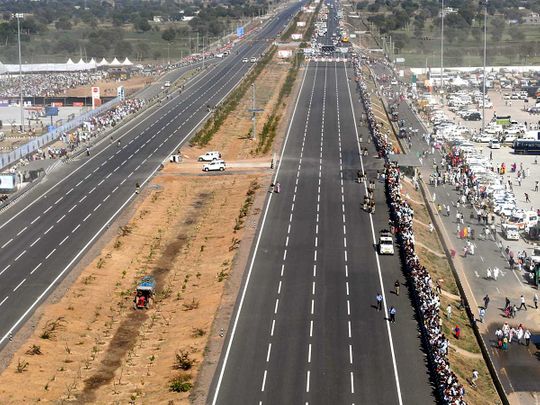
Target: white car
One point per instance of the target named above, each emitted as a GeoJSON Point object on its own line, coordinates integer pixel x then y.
{"type": "Point", "coordinates": [494, 144]}
{"type": "Point", "coordinates": [386, 243]}
{"type": "Point", "coordinates": [482, 138]}
{"type": "Point", "coordinates": [253, 59]}
{"type": "Point", "coordinates": [214, 165]}
{"type": "Point", "coordinates": [245, 60]}
{"type": "Point", "coordinates": [209, 156]}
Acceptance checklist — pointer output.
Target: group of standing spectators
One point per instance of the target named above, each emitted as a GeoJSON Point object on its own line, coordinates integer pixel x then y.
{"type": "Point", "coordinates": [426, 297]}
{"type": "Point", "coordinates": [47, 84]}
{"type": "Point", "coordinates": [100, 123]}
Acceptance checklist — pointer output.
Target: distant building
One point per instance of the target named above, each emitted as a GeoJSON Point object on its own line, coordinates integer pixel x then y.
{"type": "Point", "coordinates": [448, 10]}
{"type": "Point", "coordinates": [532, 18]}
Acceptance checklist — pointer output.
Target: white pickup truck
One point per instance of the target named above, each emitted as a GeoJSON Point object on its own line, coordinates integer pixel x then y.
{"type": "Point", "coordinates": [386, 243]}
{"type": "Point", "coordinates": [209, 156]}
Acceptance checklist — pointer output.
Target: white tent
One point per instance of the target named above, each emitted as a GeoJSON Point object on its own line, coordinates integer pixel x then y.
{"type": "Point", "coordinates": [103, 62]}
{"type": "Point", "coordinates": [127, 62]}
{"type": "Point", "coordinates": [70, 62]}
{"type": "Point", "coordinates": [115, 62]}
{"type": "Point", "coordinates": [81, 62]}
{"type": "Point", "coordinates": [92, 61]}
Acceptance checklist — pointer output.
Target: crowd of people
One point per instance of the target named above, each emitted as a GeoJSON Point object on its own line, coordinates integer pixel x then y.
{"type": "Point", "coordinates": [426, 297]}
{"type": "Point", "coordinates": [47, 84]}
{"type": "Point", "coordinates": [102, 122]}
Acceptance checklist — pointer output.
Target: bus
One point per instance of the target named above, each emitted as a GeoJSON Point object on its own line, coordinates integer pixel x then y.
{"type": "Point", "coordinates": [526, 146]}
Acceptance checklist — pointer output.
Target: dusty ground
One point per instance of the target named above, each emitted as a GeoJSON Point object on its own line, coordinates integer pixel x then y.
{"type": "Point", "coordinates": [186, 231]}
{"type": "Point", "coordinates": [464, 353]}
{"type": "Point", "coordinates": [108, 88]}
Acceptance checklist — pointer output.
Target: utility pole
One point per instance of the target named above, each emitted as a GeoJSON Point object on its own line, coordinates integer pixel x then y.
{"type": "Point", "coordinates": [442, 49]}
{"type": "Point", "coordinates": [18, 16]}
{"type": "Point", "coordinates": [203, 52]}
{"type": "Point", "coordinates": [254, 110]}
{"type": "Point", "coordinates": [484, 81]}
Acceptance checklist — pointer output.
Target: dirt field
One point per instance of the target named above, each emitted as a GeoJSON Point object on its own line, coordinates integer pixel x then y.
{"type": "Point", "coordinates": [92, 347]}
{"type": "Point", "coordinates": [108, 88]}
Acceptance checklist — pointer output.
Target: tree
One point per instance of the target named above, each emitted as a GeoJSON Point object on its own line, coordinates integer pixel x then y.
{"type": "Point", "coordinates": [169, 34]}
{"type": "Point", "coordinates": [142, 25]}
{"type": "Point", "coordinates": [123, 49]}
{"type": "Point", "coordinates": [63, 24]}
{"type": "Point", "coordinates": [516, 33]}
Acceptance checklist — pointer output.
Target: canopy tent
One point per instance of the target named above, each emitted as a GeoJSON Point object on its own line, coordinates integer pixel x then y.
{"type": "Point", "coordinates": [115, 62]}
{"type": "Point", "coordinates": [70, 62]}
{"type": "Point", "coordinates": [103, 62]}
{"type": "Point", "coordinates": [127, 62]}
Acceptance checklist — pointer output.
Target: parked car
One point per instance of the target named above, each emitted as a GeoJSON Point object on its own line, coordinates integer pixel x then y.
{"type": "Point", "coordinates": [494, 144]}
{"type": "Point", "coordinates": [209, 156]}
{"type": "Point", "coordinates": [214, 165]}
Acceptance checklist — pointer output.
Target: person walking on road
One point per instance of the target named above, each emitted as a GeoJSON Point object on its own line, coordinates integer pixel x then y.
{"type": "Point", "coordinates": [495, 273]}
{"type": "Point", "coordinates": [527, 337]}
{"type": "Point", "coordinates": [527, 200]}
{"type": "Point", "coordinates": [475, 375]}
{"type": "Point", "coordinates": [535, 300]}
{"type": "Point", "coordinates": [392, 313]}
{"type": "Point", "coordinates": [448, 311]}
{"type": "Point", "coordinates": [379, 299]}
{"type": "Point", "coordinates": [522, 304]}
{"type": "Point", "coordinates": [486, 301]}
{"type": "Point", "coordinates": [481, 314]}
{"type": "Point", "coordinates": [396, 287]}
{"type": "Point", "coordinates": [488, 273]}
{"type": "Point", "coordinates": [536, 185]}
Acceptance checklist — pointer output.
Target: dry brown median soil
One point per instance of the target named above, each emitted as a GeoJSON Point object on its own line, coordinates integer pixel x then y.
{"type": "Point", "coordinates": [104, 351]}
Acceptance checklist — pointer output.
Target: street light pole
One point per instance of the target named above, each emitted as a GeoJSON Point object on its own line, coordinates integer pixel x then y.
{"type": "Point", "coordinates": [442, 49]}
{"type": "Point", "coordinates": [18, 16]}
{"type": "Point", "coordinates": [484, 81]}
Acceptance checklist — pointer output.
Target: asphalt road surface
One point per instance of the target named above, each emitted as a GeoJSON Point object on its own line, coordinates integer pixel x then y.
{"type": "Point", "coordinates": [306, 329]}
{"type": "Point", "coordinates": [46, 233]}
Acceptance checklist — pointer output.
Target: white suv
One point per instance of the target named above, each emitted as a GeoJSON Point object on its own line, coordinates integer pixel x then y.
{"type": "Point", "coordinates": [214, 165]}
{"type": "Point", "coordinates": [209, 156]}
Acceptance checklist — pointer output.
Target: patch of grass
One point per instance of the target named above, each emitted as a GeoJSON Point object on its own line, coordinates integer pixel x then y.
{"type": "Point", "coordinates": [52, 327]}
{"type": "Point", "coordinates": [181, 382]}
{"type": "Point", "coordinates": [34, 350]}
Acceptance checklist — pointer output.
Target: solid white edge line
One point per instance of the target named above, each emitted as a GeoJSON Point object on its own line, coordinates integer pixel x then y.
{"type": "Point", "coordinates": [75, 258]}
{"type": "Point", "coordinates": [388, 329]}
{"type": "Point", "coordinates": [246, 284]}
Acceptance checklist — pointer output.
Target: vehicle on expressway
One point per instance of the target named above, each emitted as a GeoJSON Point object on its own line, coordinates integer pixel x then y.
{"type": "Point", "coordinates": [245, 60]}
{"type": "Point", "coordinates": [386, 243]}
{"type": "Point", "coordinates": [510, 232]}
{"type": "Point", "coordinates": [215, 165]}
{"type": "Point", "coordinates": [209, 156]}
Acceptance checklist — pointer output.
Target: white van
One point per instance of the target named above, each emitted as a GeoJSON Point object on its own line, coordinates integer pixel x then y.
{"type": "Point", "coordinates": [510, 232]}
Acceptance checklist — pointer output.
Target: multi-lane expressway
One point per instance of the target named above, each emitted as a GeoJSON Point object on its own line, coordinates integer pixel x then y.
{"type": "Point", "coordinates": [305, 328]}
{"type": "Point", "coordinates": [47, 232]}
